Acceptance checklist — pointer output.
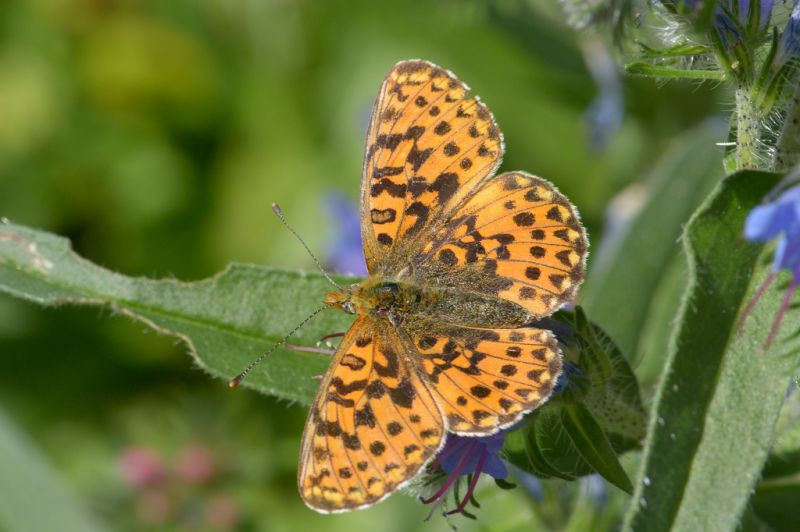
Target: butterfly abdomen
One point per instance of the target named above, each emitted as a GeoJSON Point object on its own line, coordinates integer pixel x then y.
{"type": "Point", "coordinates": [471, 309]}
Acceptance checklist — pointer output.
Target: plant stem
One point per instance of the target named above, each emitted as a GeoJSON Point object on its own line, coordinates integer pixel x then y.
{"type": "Point", "coordinates": [746, 129]}
{"type": "Point", "coordinates": [787, 150]}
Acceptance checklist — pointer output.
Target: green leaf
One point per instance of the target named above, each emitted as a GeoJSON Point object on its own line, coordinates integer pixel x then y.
{"type": "Point", "coordinates": [720, 393]}
{"type": "Point", "coordinates": [33, 497]}
{"type": "Point", "coordinates": [592, 444]}
{"type": "Point", "coordinates": [654, 337]}
{"type": "Point", "coordinates": [600, 401]}
{"type": "Point", "coordinates": [553, 444]}
{"type": "Point", "coordinates": [521, 449]}
{"type": "Point", "coordinates": [504, 484]}
{"type": "Point", "coordinates": [611, 391]}
{"type": "Point", "coordinates": [625, 275]}
{"type": "Point", "coordinates": [226, 321]}
{"type": "Point", "coordinates": [775, 502]}
{"type": "Point", "coordinates": [778, 491]}
{"type": "Point", "coordinates": [679, 50]}
{"type": "Point", "coordinates": [640, 68]}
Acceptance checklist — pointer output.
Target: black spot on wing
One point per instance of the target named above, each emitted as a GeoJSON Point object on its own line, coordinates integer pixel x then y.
{"type": "Point", "coordinates": [403, 395]}
{"type": "Point", "coordinates": [442, 128]}
{"type": "Point", "coordinates": [377, 448]}
{"type": "Point", "coordinates": [365, 416]}
{"type": "Point", "coordinates": [344, 389]}
{"type": "Point", "coordinates": [383, 171]}
{"type": "Point", "coordinates": [416, 157]}
{"type": "Point", "coordinates": [447, 257]}
{"type": "Point", "coordinates": [383, 216]}
{"type": "Point", "coordinates": [445, 185]}
{"type": "Point", "coordinates": [524, 219]}
{"type": "Point", "coordinates": [393, 189]}
{"type": "Point", "coordinates": [421, 212]}
{"type": "Point", "coordinates": [389, 142]}
{"type": "Point", "coordinates": [554, 214]}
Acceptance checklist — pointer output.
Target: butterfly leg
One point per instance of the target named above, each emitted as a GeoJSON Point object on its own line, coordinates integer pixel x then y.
{"type": "Point", "coordinates": [329, 352]}
{"type": "Point", "coordinates": [329, 345]}
{"type": "Point", "coordinates": [303, 348]}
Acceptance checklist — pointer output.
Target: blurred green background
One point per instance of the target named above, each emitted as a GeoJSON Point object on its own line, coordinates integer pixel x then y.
{"type": "Point", "coordinates": [155, 135]}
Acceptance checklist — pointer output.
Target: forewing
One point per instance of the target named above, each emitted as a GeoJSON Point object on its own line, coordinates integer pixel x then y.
{"type": "Point", "coordinates": [486, 379]}
{"type": "Point", "coordinates": [428, 147]}
{"type": "Point", "coordinates": [521, 235]}
{"type": "Point", "coordinates": [373, 425]}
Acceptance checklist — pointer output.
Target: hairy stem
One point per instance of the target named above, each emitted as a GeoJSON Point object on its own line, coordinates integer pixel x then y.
{"type": "Point", "coordinates": [746, 129]}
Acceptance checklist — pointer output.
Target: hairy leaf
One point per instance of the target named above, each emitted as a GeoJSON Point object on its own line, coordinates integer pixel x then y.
{"type": "Point", "coordinates": [720, 392]}
{"type": "Point", "coordinates": [226, 321]}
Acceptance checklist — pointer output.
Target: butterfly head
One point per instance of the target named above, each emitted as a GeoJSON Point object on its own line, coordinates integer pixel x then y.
{"type": "Point", "coordinates": [342, 299]}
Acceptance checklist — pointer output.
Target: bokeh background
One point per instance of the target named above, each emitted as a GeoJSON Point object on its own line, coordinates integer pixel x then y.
{"type": "Point", "coordinates": [155, 135]}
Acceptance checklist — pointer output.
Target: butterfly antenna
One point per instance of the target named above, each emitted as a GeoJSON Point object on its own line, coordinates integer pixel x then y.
{"type": "Point", "coordinates": [279, 213]}
{"type": "Point", "coordinates": [233, 383]}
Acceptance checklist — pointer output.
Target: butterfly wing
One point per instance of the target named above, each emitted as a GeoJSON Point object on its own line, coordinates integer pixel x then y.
{"type": "Point", "coordinates": [428, 146]}
{"type": "Point", "coordinates": [518, 237]}
{"type": "Point", "coordinates": [485, 379]}
{"type": "Point", "coordinates": [374, 423]}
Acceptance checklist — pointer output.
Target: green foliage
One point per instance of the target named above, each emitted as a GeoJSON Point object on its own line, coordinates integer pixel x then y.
{"type": "Point", "coordinates": [715, 409]}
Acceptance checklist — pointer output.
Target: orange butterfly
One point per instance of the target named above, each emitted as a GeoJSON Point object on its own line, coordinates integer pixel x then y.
{"type": "Point", "coordinates": [460, 264]}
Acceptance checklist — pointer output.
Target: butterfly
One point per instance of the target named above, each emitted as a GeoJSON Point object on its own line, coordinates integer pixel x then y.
{"type": "Point", "coordinates": [461, 262]}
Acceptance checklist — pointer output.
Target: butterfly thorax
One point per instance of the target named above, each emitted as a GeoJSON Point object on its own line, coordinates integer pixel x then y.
{"type": "Point", "coordinates": [381, 296]}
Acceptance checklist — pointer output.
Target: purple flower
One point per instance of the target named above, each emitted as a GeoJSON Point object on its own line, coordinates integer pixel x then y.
{"type": "Point", "coordinates": [779, 218]}
{"type": "Point", "coordinates": [345, 255]}
{"type": "Point", "coordinates": [467, 455]}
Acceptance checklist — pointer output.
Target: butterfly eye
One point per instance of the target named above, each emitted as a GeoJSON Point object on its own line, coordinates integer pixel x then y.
{"type": "Point", "coordinates": [349, 307]}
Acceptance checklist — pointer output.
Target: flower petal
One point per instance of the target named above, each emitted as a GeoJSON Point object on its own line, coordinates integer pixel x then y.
{"type": "Point", "coordinates": [765, 222]}
{"type": "Point", "coordinates": [495, 467]}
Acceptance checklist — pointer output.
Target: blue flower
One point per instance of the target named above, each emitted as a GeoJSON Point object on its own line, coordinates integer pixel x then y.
{"type": "Point", "coordinates": [467, 455]}
{"type": "Point", "coordinates": [604, 115]}
{"type": "Point", "coordinates": [562, 382]}
{"type": "Point", "coordinates": [346, 254]}
{"type": "Point", "coordinates": [729, 14]}
{"type": "Point", "coordinates": [779, 218]}
{"type": "Point", "coordinates": [476, 455]}
{"type": "Point", "coordinates": [789, 47]}
{"type": "Point", "coordinates": [731, 17]}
